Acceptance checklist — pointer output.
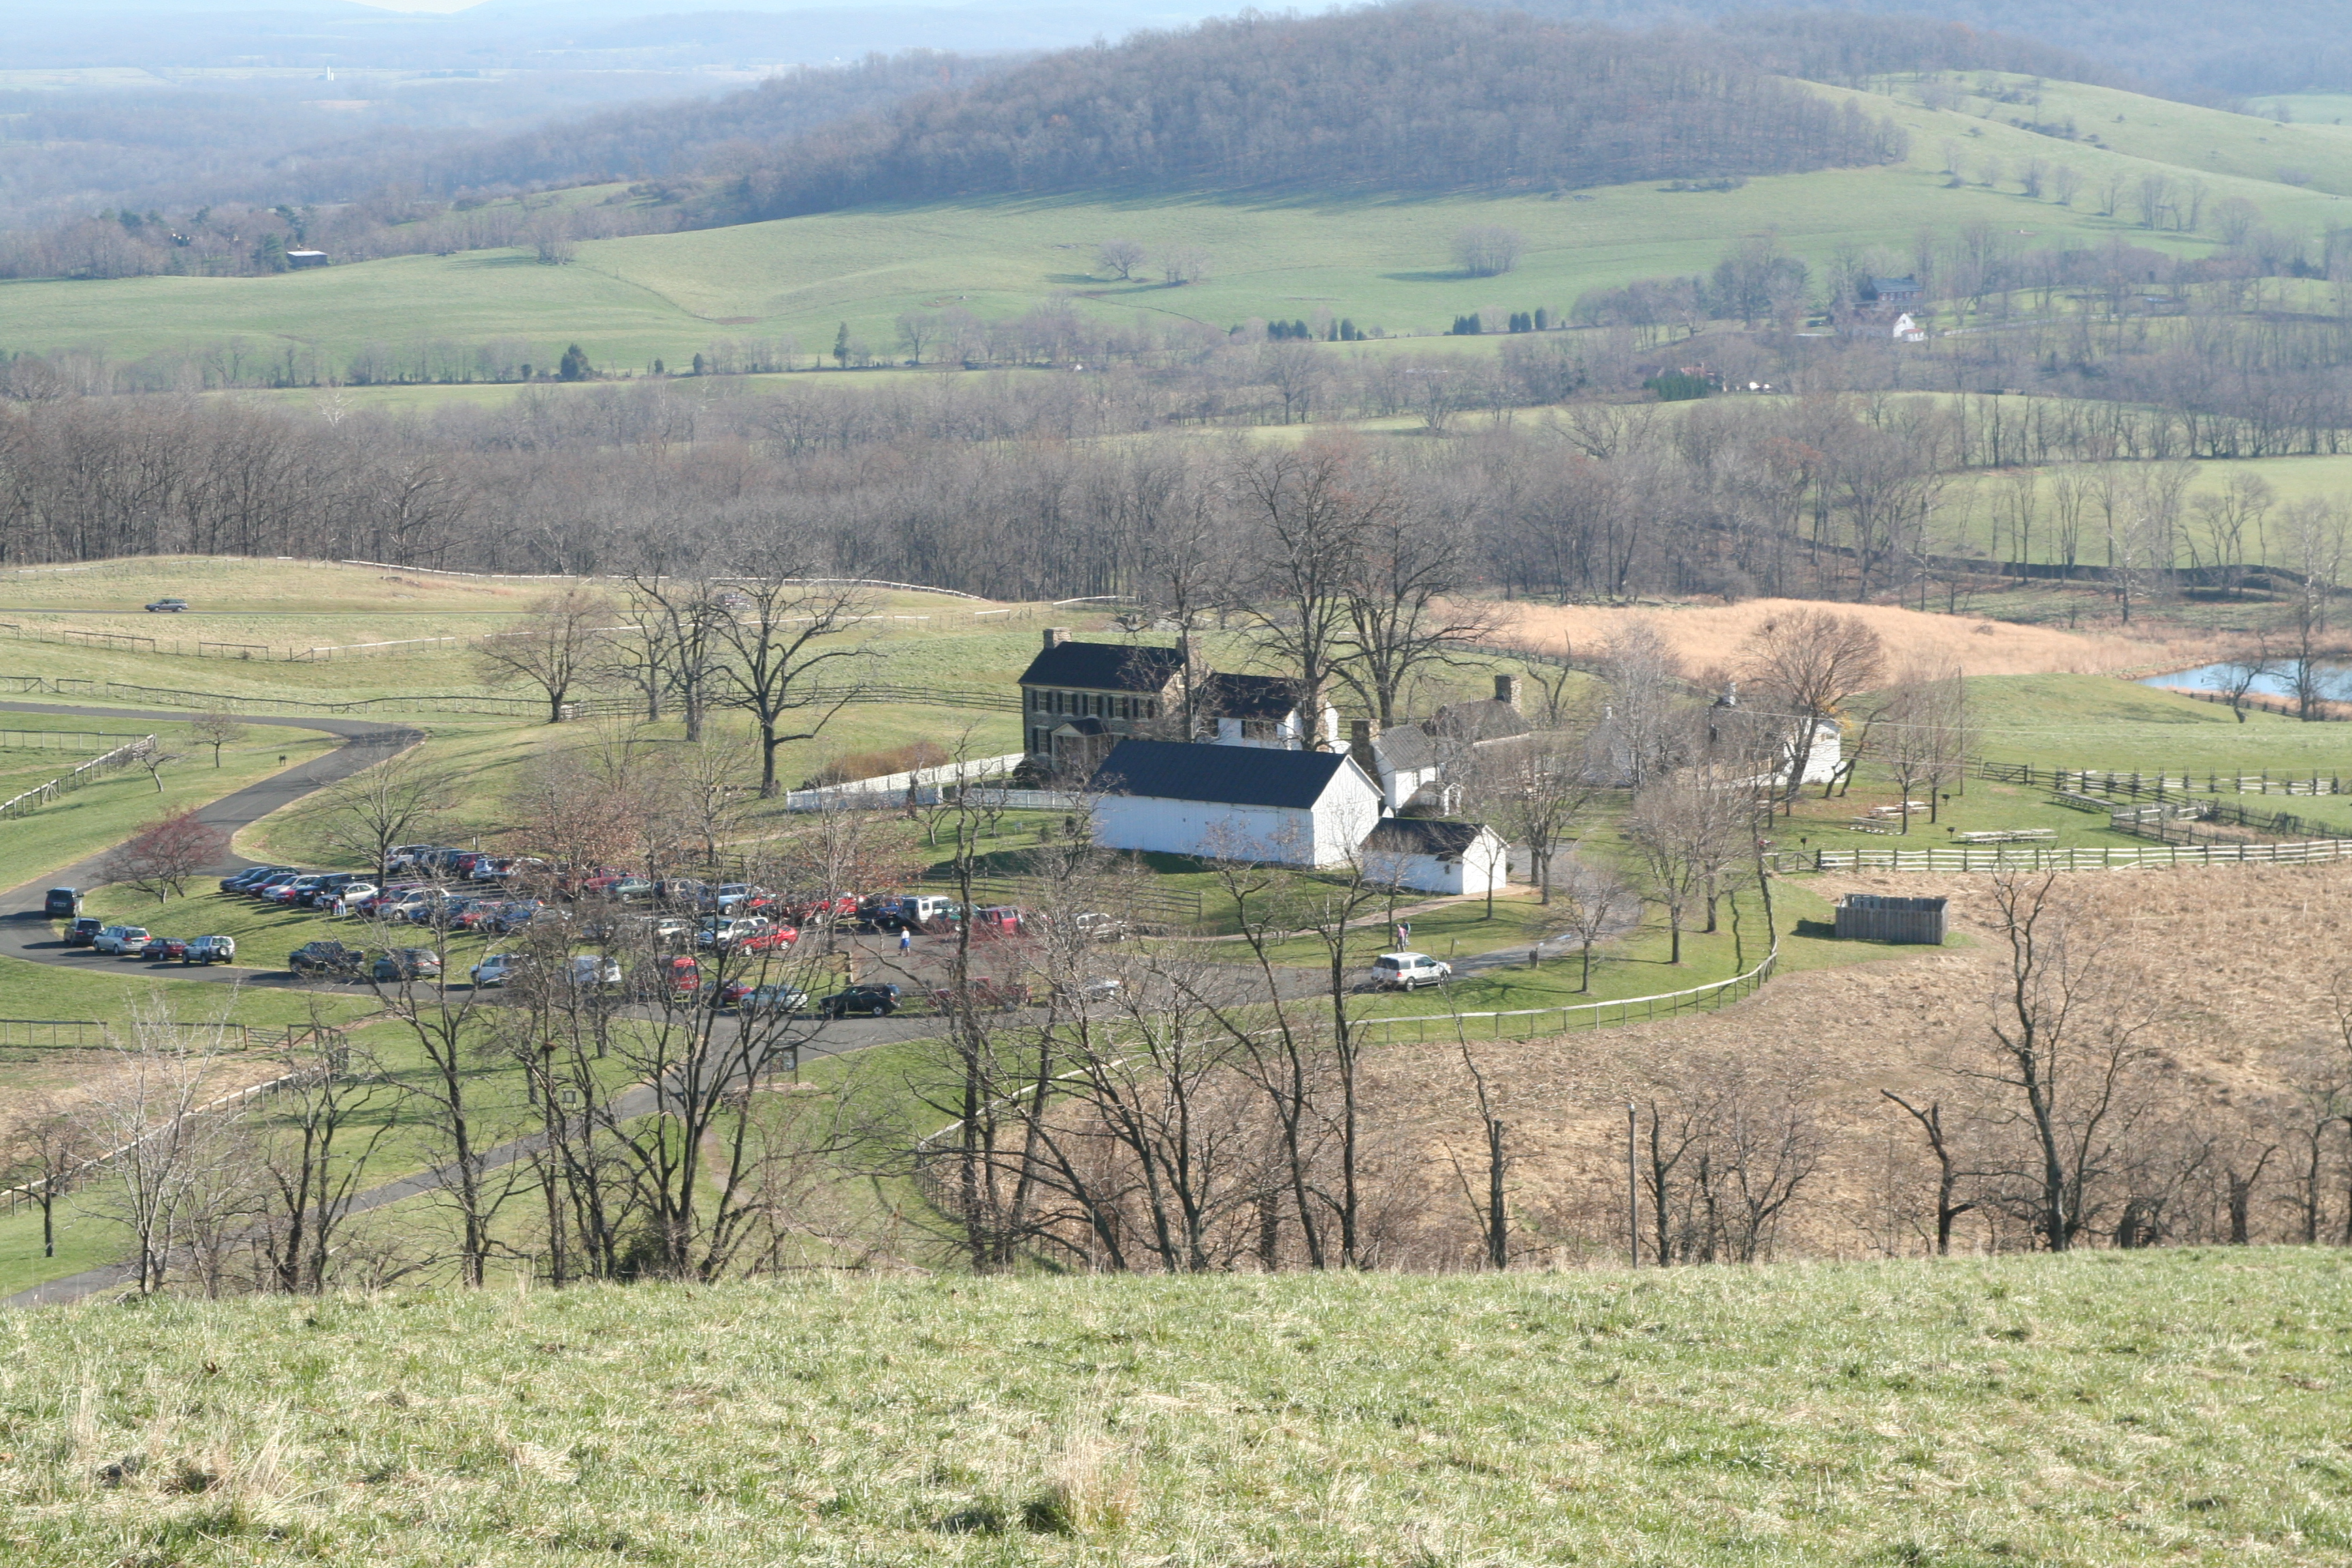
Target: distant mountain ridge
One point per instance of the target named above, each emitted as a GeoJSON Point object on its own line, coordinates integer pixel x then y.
{"type": "Point", "coordinates": [1421, 97]}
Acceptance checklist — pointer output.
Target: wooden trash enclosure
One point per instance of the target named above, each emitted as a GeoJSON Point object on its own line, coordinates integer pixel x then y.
{"type": "Point", "coordinates": [1880, 917]}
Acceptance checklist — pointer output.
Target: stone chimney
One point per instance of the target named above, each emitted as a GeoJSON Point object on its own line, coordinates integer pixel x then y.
{"type": "Point", "coordinates": [1056, 636]}
{"type": "Point", "coordinates": [1360, 733]}
{"type": "Point", "coordinates": [1506, 691]}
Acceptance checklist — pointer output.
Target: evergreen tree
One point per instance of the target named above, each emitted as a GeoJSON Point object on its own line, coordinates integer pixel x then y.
{"type": "Point", "coordinates": [841, 347]}
{"type": "Point", "coordinates": [575, 365]}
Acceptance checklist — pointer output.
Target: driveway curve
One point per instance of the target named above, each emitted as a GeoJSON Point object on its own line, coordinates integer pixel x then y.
{"type": "Point", "coordinates": [24, 934]}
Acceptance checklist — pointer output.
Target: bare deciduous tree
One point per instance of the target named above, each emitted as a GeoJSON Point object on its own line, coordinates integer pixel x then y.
{"type": "Point", "coordinates": [556, 645]}
{"type": "Point", "coordinates": [1810, 665]}
{"type": "Point", "coordinates": [216, 729]}
{"type": "Point", "coordinates": [161, 859]}
{"type": "Point", "coordinates": [1487, 250]}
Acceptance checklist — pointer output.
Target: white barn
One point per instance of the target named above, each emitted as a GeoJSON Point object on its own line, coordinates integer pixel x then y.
{"type": "Point", "coordinates": [1432, 855]}
{"type": "Point", "coordinates": [1234, 802]}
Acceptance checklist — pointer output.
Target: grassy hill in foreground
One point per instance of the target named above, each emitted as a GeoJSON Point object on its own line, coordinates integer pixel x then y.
{"type": "Point", "coordinates": [2108, 1408]}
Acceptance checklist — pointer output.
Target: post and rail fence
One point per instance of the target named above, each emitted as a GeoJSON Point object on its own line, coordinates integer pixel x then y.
{"type": "Point", "coordinates": [42, 794]}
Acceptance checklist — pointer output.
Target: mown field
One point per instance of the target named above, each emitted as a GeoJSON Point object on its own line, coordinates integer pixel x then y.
{"type": "Point", "coordinates": [1382, 262]}
{"type": "Point", "coordinates": [2169, 1406]}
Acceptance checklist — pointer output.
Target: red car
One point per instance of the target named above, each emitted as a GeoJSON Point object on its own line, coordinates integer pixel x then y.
{"type": "Point", "coordinates": [670, 977]}
{"type": "Point", "coordinates": [769, 941]}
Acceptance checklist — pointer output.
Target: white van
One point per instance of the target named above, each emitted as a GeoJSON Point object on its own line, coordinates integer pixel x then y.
{"type": "Point", "coordinates": [1409, 970]}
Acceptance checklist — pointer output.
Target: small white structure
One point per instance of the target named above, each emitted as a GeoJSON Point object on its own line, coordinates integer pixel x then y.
{"type": "Point", "coordinates": [1432, 855]}
{"type": "Point", "coordinates": [1234, 802]}
{"type": "Point", "coordinates": [1907, 331]}
{"type": "Point", "coordinates": [1403, 759]}
{"type": "Point", "coordinates": [1822, 764]}
{"type": "Point", "coordinates": [1265, 711]}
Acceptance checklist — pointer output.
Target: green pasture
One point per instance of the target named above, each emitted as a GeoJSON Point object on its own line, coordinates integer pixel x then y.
{"type": "Point", "coordinates": [2166, 1406]}
{"type": "Point", "coordinates": [106, 812]}
{"type": "Point", "coordinates": [1383, 262]}
{"type": "Point", "coordinates": [2099, 721]}
{"type": "Point", "coordinates": [2209, 142]}
{"type": "Point", "coordinates": [2320, 110]}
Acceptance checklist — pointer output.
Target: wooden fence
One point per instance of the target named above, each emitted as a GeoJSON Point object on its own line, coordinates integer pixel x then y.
{"type": "Point", "coordinates": [2035, 857]}
{"type": "Point", "coordinates": [2158, 785]}
{"type": "Point", "coordinates": [33, 799]}
{"type": "Point", "coordinates": [63, 740]}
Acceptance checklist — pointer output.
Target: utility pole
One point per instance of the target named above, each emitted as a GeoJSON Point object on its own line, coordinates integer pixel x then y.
{"type": "Point", "coordinates": [1632, 1190]}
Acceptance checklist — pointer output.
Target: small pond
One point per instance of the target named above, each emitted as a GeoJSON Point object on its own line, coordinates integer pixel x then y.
{"type": "Point", "coordinates": [2335, 680]}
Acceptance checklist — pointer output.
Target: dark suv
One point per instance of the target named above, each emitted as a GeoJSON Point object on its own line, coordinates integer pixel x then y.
{"type": "Point", "coordinates": [84, 931]}
{"type": "Point", "coordinates": [62, 904]}
{"type": "Point", "coordinates": [331, 960]}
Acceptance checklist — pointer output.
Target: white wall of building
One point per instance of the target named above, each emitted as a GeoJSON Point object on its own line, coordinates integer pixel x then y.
{"type": "Point", "coordinates": [1483, 869]}
{"type": "Point", "coordinates": [1323, 835]}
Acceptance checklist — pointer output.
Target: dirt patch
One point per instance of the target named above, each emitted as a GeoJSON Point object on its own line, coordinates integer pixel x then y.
{"type": "Point", "coordinates": [1710, 635]}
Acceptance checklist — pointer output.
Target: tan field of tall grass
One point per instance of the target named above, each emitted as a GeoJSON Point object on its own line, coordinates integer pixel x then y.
{"type": "Point", "coordinates": [1708, 637]}
{"type": "Point", "coordinates": [2231, 966]}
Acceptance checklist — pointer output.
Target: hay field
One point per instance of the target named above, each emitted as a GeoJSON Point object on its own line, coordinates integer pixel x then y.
{"type": "Point", "coordinates": [1708, 637]}
{"type": "Point", "coordinates": [2240, 955]}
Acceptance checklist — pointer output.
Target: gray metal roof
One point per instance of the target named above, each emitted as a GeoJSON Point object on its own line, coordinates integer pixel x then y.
{"type": "Point", "coordinates": [1222, 775]}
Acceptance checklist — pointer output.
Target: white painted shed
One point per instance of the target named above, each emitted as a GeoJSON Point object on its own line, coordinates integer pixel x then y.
{"type": "Point", "coordinates": [1434, 855]}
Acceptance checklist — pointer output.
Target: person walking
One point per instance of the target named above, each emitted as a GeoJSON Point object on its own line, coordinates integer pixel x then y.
{"type": "Point", "coordinates": [1404, 933]}
{"type": "Point", "coordinates": [906, 940]}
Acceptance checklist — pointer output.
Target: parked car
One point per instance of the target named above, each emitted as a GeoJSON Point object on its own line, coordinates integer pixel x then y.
{"type": "Point", "coordinates": [1101, 988]}
{"type": "Point", "coordinates": [1004, 919]}
{"type": "Point", "coordinates": [776, 997]}
{"type": "Point", "coordinates": [592, 969]}
{"type": "Point", "coordinates": [515, 916]}
{"type": "Point", "coordinates": [252, 876]}
{"type": "Point", "coordinates": [330, 960]}
{"type": "Point", "coordinates": [733, 935]}
{"type": "Point", "coordinates": [84, 931]}
{"type": "Point", "coordinates": [1097, 927]}
{"type": "Point", "coordinates": [61, 903]}
{"type": "Point", "coordinates": [210, 950]}
{"type": "Point", "coordinates": [631, 890]}
{"type": "Point", "coordinates": [116, 940]}
{"type": "Point", "coordinates": [163, 948]}
{"type": "Point", "coordinates": [1409, 970]}
{"type": "Point", "coordinates": [271, 890]}
{"type": "Point", "coordinates": [498, 968]}
{"type": "Point", "coordinates": [296, 892]}
{"type": "Point", "coordinates": [356, 897]}
{"type": "Point", "coordinates": [167, 607]}
{"type": "Point", "coordinates": [408, 964]}
{"type": "Point", "coordinates": [873, 1001]}
{"type": "Point", "coordinates": [673, 977]}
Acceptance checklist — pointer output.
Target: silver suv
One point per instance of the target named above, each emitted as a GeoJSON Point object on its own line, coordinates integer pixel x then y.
{"type": "Point", "coordinates": [1409, 970]}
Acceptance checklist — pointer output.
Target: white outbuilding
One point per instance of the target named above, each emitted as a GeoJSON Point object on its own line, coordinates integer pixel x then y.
{"type": "Point", "coordinates": [1234, 802]}
{"type": "Point", "coordinates": [1432, 855]}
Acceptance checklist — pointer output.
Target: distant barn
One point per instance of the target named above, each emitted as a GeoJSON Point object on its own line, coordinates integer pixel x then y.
{"type": "Point", "coordinates": [305, 258]}
{"type": "Point", "coordinates": [1877, 917]}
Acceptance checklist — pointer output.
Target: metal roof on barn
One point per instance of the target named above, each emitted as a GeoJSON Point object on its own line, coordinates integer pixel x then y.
{"type": "Point", "coordinates": [1424, 835]}
{"type": "Point", "coordinates": [1219, 776]}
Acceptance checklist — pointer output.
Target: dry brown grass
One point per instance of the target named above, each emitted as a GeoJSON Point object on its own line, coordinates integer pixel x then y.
{"type": "Point", "coordinates": [2241, 954]}
{"type": "Point", "coordinates": [1710, 637]}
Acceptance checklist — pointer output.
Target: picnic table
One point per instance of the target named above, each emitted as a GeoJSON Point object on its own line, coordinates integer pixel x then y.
{"type": "Point", "coordinates": [1914, 806]}
{"type": "Point", "coordinates": [2007, 835]}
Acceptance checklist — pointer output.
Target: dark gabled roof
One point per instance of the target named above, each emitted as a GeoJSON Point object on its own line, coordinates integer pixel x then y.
{"type": "Point", "coordinates": [1251, 696]}
{"type": "Point", "coordinates": [1407, 748]}
{"type": "Point", "coordinates": [1222, 776]}
{"type": "Point", "coordinates": [1104, 666]}
{"type": "Point", "coordinates": [1081, 727]}
{"type": "Point", "coordinates": [1477, 721]}
{"type": "Point", "coordinates": [1423, 836]}
{"type": "Point", "coordinates": [1894, 286]}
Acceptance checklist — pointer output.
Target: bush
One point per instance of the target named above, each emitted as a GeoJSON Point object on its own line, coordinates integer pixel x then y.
{"type": "Point", "coordinates": [852, 767]}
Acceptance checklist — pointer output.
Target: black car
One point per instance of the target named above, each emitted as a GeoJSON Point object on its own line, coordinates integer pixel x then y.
{"type": "Point", "coordinates": [330, 959]}
{"type": "Point", "coordinates": [871, 1001]}
{"type": "Point", "coordinates": [84, 931]}
{"type": "Point", "coordinates": [251, 878]}
{"type": "Point", "coordinates": [62, 903]}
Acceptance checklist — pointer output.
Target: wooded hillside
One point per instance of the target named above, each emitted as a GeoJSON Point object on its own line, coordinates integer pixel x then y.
{"type": "Point", "coordinates": [1419, 98]}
